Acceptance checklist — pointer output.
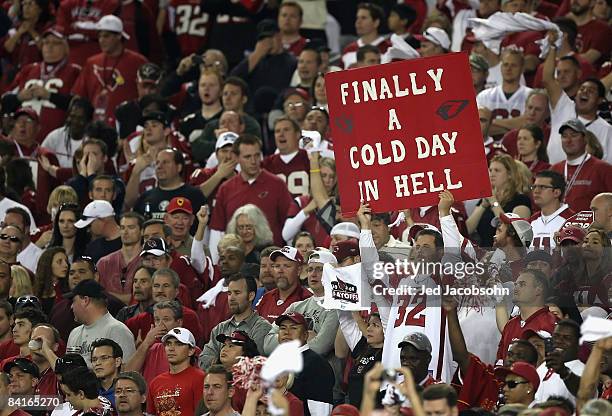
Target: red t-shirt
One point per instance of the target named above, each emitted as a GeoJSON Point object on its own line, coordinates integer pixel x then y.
{"type": "Point", "coordinates": [143, 321]}
{"type": "Point", "coordinates": [190, 24]}
{"type": "Point", "coordinates": [271, 306]}
{"type": "Point", "coordinates": [56, 78]}
{"type": "Point", "coordinates": [595, 35]}
{"type": "Point", "coordinates": [595, 177]}
{"type": "Point", "coordinates": [268, 192]}
{"type": "Point", "coordinates": [8, 349]}
{"type": "Point", "coordinates": [540, 320]}
{"type": "Point", "coordinates": [295, 173]}
{"type": "Point", "coordinates": [83, 43]}
{"type": "Point", "coordinates": [156, 362]}
{"type": "Point", "coordinates": [296, 47]}
{"type": "Point", "coordinates": [176, 394]}
{"type": "Point", "coordinates": [48, 384]}
{"type": "Point", "coordinates": [312, 224]}
{"type": "Point", "coordinates": [480, 387]}
{"type": "Point", "coordinates": [107, 82]}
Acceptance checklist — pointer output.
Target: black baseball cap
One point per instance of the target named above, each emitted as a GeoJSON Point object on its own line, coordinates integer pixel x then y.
{"type": "Point", "coordinates": [89, 288]}
{"type": "Point", "coordinates": [154, 115]}
{"type": "Point", "coordinates": [68, 362]}
{"type": "Point", "coordinates": [25, 365]}
{"type": "Point", "coordinates": [538, 255]}
{"type": "Point", "coordinates": [267, 28]}
{"type": "Point", "coordinates": [149, 73]}
{"type": "Point", "coordinates": [154, 245]}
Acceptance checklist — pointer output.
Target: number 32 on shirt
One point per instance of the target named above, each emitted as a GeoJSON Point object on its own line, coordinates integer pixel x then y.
{"type": "Point", "coordinates": [411, 312]}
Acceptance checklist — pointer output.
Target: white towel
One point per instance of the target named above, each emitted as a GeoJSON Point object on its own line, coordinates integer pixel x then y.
{"type": "Point", "coordinates": [593, 329]}
{"type": "Point", "coordinates": [492, 31]}
{"type": "Point", "coordinates": [209, 298]}
{"type": "Point", "coordinates": [399, 49]}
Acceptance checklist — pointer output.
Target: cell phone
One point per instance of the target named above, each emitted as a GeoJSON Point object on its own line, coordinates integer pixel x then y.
{"type": "Point", "coordinates": [548, 346]}
{"type": "Point", "coordinates": [389, 375]}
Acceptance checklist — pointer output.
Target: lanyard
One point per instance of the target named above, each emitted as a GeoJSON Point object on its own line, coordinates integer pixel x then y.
{"type": "Point", "coordinates": [570, 183]}
{"type": "Point", "coordinates": [105, 84]}
{"type": "Point", "coordinates": [44, 76]}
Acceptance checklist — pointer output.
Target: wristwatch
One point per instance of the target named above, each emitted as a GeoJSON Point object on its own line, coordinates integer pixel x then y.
{"type": "Point", "coordinates": [496, 204]}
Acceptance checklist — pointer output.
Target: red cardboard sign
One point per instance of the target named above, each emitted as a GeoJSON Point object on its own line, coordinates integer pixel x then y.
{"type": "Point", "coordinates": [582, 219]}
{"type": "Point", "coordinates": [404, 131]}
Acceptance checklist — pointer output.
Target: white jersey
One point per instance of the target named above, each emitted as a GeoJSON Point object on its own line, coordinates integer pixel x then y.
{"type": "Point", "coordinates": [419, 313]}
{"type": "Point", "coordinates": [495, 77]}
{"type": "Point", "coordinates": [544, 227]}
{"type": "Point", "coordinates": [566, 110]}
{"type": "Point", "coordinates": [502, 107]}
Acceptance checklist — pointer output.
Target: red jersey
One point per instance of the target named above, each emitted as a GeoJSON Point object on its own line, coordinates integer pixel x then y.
{"type": "Point", "coordinates": [156, 362]}
{"type": "Point", "coordinates": [509, 140]}
{"type": "Point", "coordinates": [176, 394]}
{"type": "Point", "coordinates": [132, 11]}
{"type": "Point", "coordinates": [294, 173]}
{"type": "Point", "coordinates": [189, 277]}
{"type": "Point", "coordinates": [480, 386]}
{"type": "Point", "coordinates": [71, 13]}
{"type": "Point", "coordinates": [142, 323]}
{"type": "Point", "coordinates": [201, 175]}
{"type": "Point", "coordinates": [595, 35]}
{"type": "Point", "coordinates": [312, 224]}
{"type": "Point", "coordinates": [191, 25]}
{"type": "Point", "coordinates": [271, 306]}
{"type": "Point", "coordinates": [594, 177]}
{"type": "Point", "coordinates": [296, 47]}
{"type": "Point", "coordinates": [48, 384]}
{"type": "Point", "coordinates": [56, 78]}
{"type": "Point", "coordinates": [268, 192]}
{"type": "Point", "coordinates": [540, 320]}
{"type": "Point", "coordinates": [108, 81]}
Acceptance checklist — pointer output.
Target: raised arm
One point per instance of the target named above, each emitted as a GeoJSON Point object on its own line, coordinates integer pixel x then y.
{"type": "Point", "coordinates": [457, 341]}
{"type": "Point", "coordinates": [548, 72]}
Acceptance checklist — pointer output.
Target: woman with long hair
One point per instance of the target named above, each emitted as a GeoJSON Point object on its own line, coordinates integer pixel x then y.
{"type": "Point", "coordinates": [250, 223]}
{"type": "Point", "coordinates": [317, 91]}
{"type": "Point", "coordinates": [51, 279]}
{"type": "Point", "coordinates": [507, 197]}
{"type": "Point", "coordinates": [66, 235]}
{"type": "Point", "coordinates": [21, 283]}
{"type": "Point", "coordinates": [62, 194]}
{"type": "Point", "coordinates": [532, 149]}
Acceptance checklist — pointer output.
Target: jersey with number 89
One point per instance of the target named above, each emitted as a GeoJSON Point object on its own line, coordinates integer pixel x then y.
{"type": "Point", "coordinates": [190, 23]}
{"type": "Point", "coordinates": [295, 173]}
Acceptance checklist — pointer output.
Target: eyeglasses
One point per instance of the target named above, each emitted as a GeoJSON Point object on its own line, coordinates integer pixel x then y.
{"type": "Point", "coordinates": [101, 358]}
{"type": "Point", "coordinates": [121, 392]}
{"type": "Point", "coordinates": [12, 238]}
{"type": "Point", "coordinates": [541, 187]}
{"type": "Point", "coordinates": [512, 384]}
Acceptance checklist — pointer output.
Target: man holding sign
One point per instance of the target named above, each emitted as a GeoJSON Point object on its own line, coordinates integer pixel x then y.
{"type": "Point", "coordinates": [418, 133]}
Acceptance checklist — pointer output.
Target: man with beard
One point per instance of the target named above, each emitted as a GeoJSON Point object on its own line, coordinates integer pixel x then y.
{"type": "Point", "coordinates": [287, 267]}
{"type": "Point", "coordinates": [584, 107]}
{"type": "Point", "coordinates": [106, 359]}
{"type": "Point", "coordinates": [142, 292]}
{"type": "Point", "coordinates": [117, 269]}
{"type": "Point", "coordinates": [266, 273]}
{"type": "Point", "coordinates": [240, 294]}
{"type": "Point", "coordinates": [323, 323]}
{"type": "Point", "coordinates": [130, 394]}
{"type": "Point", "coordinates": [594, 33]}
{"type": "Point", "coordinates": [150, 358]}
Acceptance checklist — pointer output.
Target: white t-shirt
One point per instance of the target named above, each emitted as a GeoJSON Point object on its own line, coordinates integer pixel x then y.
{"type": "Point", "coordinates": [501, 106]}
{"type": "Point", "coordinates": [64, 149]}
{"type": "Point", "coordinates": [544, 227]}
{"type": "Point", "coordinates": [7, 203]}
{"type": "Point", "coordinates": [554, 386]}
{"type": "Point", "coordinates": [566, 110]}
{"type": "Point", "coordinates": [29, 257]}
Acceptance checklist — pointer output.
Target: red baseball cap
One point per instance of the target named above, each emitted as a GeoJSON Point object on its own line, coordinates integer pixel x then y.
{"type": "Point", "coordinates": [295, 317]}
{"type": "Point", "coordinates": [27, 111]}
{"type": "Point", "coordinates": [179, 203]}
{"type": "Point", "coordinates": [575, 234]}
{"type": "Point", "coordinates": [56, 31]}
{"type": "Point", "coordinates": [344, 249]}
{"type": "Point", "coordinates": [521, 369]}
{"type": "Point", "coordinates": [345, 410]}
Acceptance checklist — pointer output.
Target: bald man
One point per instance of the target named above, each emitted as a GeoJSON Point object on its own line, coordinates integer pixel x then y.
{"type": "Point", "coordinates": [601, 205]}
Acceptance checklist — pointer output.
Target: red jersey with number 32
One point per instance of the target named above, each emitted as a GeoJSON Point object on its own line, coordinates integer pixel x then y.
{"type": "Point", "coordinates": [419, 312]}
{"type": "Point", "coordinates": [55, 79]}
{"type": "Point", "coordinates": [190, 23]}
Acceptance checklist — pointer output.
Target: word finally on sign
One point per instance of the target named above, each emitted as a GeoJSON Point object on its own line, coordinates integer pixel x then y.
{"type": "Point", "coordinates": [405, 131]}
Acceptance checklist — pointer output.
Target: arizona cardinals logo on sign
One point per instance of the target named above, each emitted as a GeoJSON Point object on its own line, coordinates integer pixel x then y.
{"type": "Point", "coordinates": [344, 291]}
{"type": "Point", "coordinates": [451, 109]}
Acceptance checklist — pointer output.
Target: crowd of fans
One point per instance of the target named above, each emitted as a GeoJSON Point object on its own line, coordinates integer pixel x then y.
{"type": "Point", "coordinates": [169, 201]}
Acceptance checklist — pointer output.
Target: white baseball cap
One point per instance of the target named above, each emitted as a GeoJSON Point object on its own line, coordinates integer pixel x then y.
{"type": "Point", "coordinates": [437, 36]}
{"type": "Point", "coordinates": [111, 23]}
{"type": "Point", "coordinates": [347, 229]}
{"type": "Point", "coordinates": [323, 256]}
{"type": "Point", "coordinates": [183, 335]}
{"type": "Point", "coordinates": [289, 252]}
{"type": "Point", "coordinates": [93, 210]}
{"type": "Point", "coordinates": [226, 138]}
{"type": "Point", "coordinates": [521, 226]}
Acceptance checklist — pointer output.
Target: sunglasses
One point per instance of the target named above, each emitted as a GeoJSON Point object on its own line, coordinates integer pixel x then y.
{"type": "Point", "coordinates": [512, 384]}
{"type": "Point", "coordinates": [12, 238]}
{"type": "Point", "coordinates": [27, 299]}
